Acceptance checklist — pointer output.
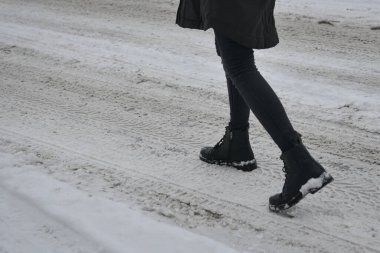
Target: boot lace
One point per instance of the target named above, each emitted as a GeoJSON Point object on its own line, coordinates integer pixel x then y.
{"type": "Point", "coordinates": [284, 169]}
{"type": "Point", "coordinates": [217, 145]}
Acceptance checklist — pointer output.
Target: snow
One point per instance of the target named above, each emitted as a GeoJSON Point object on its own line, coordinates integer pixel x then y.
{"type": "Point", "coordinates": [346, 11]}
{"type": "Point", "coordinates": [32, 201]}
{"type": "Point", "coordinates": [314, 183]}
{"type": "Point", "coordinates": [104, 106]}
{"type": "Point", "coordinates": [244, 163]}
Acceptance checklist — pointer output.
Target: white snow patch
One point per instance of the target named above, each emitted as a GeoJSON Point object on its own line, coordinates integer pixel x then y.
{"type": "Point", "coordinates": [314, 183]}
{"type": "Point", "coordinates": [348, 11]}
{"type": "Point", "coordinates": [100, 223]}
{"type": "Point", "coordinates": [244, 163]}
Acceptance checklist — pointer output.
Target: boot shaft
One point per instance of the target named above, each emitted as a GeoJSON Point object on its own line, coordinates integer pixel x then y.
{"type": "Point", "coordinates": [298, 160]}
{"type": "Point", "coordinates": [240, 146]}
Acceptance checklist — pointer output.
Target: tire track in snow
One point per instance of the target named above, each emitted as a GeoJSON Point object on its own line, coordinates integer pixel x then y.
{"type": "Point", "coordinates": [233, 215]}
{"type": "Point", "coordinates": [336, 133]}
{"type": "Point", "coordinates": [138, 127]}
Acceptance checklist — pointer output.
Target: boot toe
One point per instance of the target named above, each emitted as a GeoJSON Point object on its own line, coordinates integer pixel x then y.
{"type": "Point", "coordinates": [277, 203]}
{"type": "Point", "coordinates": [205, 153]}
{"type": "Point", "coordinates": [275, 199]}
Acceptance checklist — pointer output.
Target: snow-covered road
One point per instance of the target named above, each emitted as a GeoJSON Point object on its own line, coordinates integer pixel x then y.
{"type": "Point", "coordinates": [45, 215]}
{"type": "Point", "coordinates": [110, 99]}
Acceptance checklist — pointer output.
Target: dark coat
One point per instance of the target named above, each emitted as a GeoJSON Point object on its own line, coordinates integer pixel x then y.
{"type": "Point", "coordinates": [248, 22]}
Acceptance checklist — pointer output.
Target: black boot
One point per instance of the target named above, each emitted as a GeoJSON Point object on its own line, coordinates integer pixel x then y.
{"type": "Point", "coordinates": [303, 175]}
{"type": "Point", "coordinates": [233, 150]}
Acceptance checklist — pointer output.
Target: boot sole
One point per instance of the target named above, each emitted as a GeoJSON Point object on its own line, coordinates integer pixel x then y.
{"type": "Point", "coordinates": [312, 186]}
{"type": "Point", "coordinates": [243, 166]}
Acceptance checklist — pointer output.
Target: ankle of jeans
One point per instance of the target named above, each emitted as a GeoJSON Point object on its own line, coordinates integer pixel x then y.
{"type": "Point", "coordinates": [290, 140]}
{"type": "Point", "coordinates": [238, 127]}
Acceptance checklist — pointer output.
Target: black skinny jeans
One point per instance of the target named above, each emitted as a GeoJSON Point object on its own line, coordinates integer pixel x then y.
{"type": "Point", "coordinates": [248, 90]}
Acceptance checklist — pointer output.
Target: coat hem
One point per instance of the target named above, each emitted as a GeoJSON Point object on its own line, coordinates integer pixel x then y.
{"type": "Point", "coordinates": [268, 40]}
{"type": "Point", "coordinates": [189, 23]}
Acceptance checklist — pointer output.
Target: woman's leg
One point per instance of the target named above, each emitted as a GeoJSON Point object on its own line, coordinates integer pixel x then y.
{"type": "Point", "coordinates": [239, 65]}
{"type": "Point", "coordinates": [234, 148]}
{"type": "Point", "coordinates": [303, 175]}
{"type": "Point", "coordinates": [239, 110]}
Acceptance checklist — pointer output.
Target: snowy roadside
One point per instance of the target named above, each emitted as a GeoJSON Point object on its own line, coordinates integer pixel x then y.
{"type": "Point", "coordinates": [41, 214]}
{"type": "Point", "coordinates": [116, 110]}
{"type": "Point", "coordinates": [348, 12]}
